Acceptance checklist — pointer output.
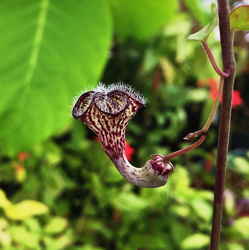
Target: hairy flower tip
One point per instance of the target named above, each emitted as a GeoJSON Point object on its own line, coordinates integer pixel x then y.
{"type": "Point", "coordinates": [128, 90]}
{"type": "Point", "coordinates": [111, 99]}
{"type": "Point", "coordinates": [106, 110]}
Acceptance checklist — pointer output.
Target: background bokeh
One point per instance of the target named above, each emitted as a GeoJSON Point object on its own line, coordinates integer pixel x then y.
{"type": "Point", "coordinates": [58, 190]}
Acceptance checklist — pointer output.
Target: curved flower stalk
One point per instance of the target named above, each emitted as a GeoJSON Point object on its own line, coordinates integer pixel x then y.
{"type": "Point", "coordinates": [106, 111]}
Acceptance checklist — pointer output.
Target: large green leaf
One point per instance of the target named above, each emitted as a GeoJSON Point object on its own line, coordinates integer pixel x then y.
{"type": "Point", "coordinates": [50, 50]}
{"type": "Point", "coordinates": [141, 19]}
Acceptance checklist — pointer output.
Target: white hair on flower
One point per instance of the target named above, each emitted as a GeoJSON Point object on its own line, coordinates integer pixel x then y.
{"type": "Point", "coordinates": [103, 88]}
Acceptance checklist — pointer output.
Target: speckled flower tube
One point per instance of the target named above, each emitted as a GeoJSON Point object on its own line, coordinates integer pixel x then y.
{"type": "Point", "coordinates": [106, 111]}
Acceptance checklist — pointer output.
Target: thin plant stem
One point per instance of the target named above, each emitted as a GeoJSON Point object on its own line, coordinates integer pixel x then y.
{"type": "Point", "coordinates": [212, 60]}
{"type": "Point", "coordinates": [186, 149]}
{"type": "Point", "coordinates": [226, 37]}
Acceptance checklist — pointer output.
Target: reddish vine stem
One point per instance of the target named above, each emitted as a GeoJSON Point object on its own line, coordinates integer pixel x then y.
{"type": "Point", "coordinates": [212, 60]}
{"type": "Point", "coordinates": [226, 37]}
{"type": "Point", "coordinates": [199, 133]}
{"type": "Point", "coordinates": [203, 131]}
{"type": "Point", "coordinates": [186, 149]}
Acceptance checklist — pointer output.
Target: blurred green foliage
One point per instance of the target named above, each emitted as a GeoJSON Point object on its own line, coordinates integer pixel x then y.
{"type": "Point", "coordinates": [58, 190]}
{"type": "Point", "coordinates": [239, 17]}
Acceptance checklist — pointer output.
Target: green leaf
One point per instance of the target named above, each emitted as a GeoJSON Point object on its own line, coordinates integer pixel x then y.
{"type": "Point", "coordinates": [242, 227]}
{"type": "Point", "coordinates": [197, 95]}
{"type": "Point", "coordinates": [204, 33]}
{"type": "Point", "coordinates": [136, 203]}
{"type": "Point", "coordinates": [24, 237]}
{"type": "Point", "coordinates": [239, 16]}
{"type": "Point", "coordinates": [25, 209]}
{"type": "Point", "coordinates": [141, 19]}
{"type": "Point", "coordinates": [21, 210]}
{"type": "Point", "coordinates": [202, 208]}
{"type": "Point", "coordinates": [149, 241]}
{"type": "Point", "coordinates": [235, 246]}
{"type": "Point", "coordinates": [195, 241]}
{"type": "Point", "coordinates": [178, 232]}
{"type": "Point", "coordinates": [32, 224]}
{"type": "Point", "coordinates": [182, 186]}
{"type": "Point", "coordinates": [181, 210]}
{"type": "Point", "coordinates": [50, 50]}
{"type": "Point", "coordinates": [61, 242]}
{"type": "Point", "coordinates": [241, 165]}
{"type": "Point", "coordinates": [56, 225]}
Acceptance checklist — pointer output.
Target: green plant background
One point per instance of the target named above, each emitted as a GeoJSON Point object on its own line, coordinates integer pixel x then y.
{"type": "Point", "coordinates": [58, 190]}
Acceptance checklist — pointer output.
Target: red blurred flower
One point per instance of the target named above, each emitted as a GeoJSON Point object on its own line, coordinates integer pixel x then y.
{"type": "Point", "coordinates": [22, 156]}
{"type": "Point", "coordinates": [237, 100]}
{"type": "Point", "coordinates": [208, 165]}
{"type": "Point", "coordinates": [129, 151]}
{"type": "Point", "coordinates": [213, 88]}
{"type": "Point", "coordinates": [213, 85]}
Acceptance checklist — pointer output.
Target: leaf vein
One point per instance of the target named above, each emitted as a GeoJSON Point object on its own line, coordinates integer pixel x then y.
{"type": "Point", "coordinates": [41, 22]}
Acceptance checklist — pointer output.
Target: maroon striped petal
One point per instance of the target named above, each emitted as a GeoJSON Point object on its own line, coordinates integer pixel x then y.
{"type": "Point", "coordinates": [106, 111]}
{"type": "Point", "coordinates": [82, 104]}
